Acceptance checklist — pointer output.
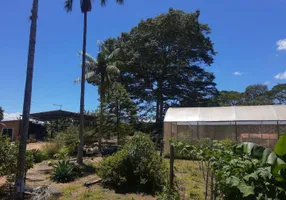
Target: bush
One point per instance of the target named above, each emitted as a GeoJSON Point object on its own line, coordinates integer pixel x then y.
{"type": "Point", "coordinates": [136, 165]}
{"type": "Point", "coordinates": [68, 139]}
{"type": "Point", "coordinates": [50, 149]}
{"type": "Point", "coordinates": [8, 158]}
{"type": "Point", "coordinates": [62, 154]}
{"type": "Point", "coordinates": [63, 172]}
{"type": "Point", "coordinates": [38, 156]}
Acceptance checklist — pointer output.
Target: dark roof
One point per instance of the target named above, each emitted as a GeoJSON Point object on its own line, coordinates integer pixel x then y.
{"type": "Point", "coordinates": [58, 114]}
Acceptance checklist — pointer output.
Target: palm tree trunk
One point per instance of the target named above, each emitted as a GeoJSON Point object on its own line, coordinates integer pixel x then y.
{"type": "Point", "coordinates": [102, 95]}
{"type": "Point", "coordinates": [81, 123]}
{"type": "Point", "coordinates": [21, 164]}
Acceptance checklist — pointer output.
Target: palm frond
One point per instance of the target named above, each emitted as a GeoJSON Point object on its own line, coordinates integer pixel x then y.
{"type": "Point", "coordinates": [120, 2]}
{"type": "Point", "coordinates": [88, 57]}
{"type": "Point", "coordinates": [68, 5]}
{"type": "Point", "coordinates": [115, 54]}
{"type": "Point", "coordinates": [105, 50]}
{"type": "Point", "coordinates": [112, 70]}
{"type": "Point", "coordinates": [88, 75]}
{"type": "Point", "coordinates": [103, 2]}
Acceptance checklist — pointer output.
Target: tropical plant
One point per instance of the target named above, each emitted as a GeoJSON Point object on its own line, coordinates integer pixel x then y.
{"type": "Point", "coordinates": [136, 166]}
{"type": "Point", "coordinates": [242, 171]}
{"type": "Point", "coordinates": [101, 72]}
{"type": "Point", "coordinates": [21, 164]}
{"type": "Point", "coordinates": [86, 7]}
{"type": "Point", "coordinates": [63, 172]}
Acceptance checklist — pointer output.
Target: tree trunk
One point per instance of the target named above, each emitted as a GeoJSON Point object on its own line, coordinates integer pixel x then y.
{"type": "Point", "coordinates": [117, 121]}
{"type": "Point", "coordinates": [102, 95]}
{"type": "Point", "coordinates": [21, 164]}
{"type": "Point", "coordinates": [81, 123]}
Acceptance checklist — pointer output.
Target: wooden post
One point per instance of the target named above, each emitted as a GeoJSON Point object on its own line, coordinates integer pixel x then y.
{"type": "Point", "coordinates": [171, 161]}
{"type": "Point", "coordinates": [235, 126]}
{"type": "Point", "coordinates": [171, 167]}
{"type": "Point", "coordinates": [198, 130]}
{"type": "Point", "coordinates": [278, 131]}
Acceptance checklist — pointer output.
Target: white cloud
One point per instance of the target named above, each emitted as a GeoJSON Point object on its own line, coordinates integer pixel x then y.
{"type": "Point", "coordinates": [266, 83]}
{"type": "Point", "coordinates": [281, 44]}
{"type": "Point", "coordinates": [237, 73]}
{"type": "Point", "coordinates": [11, 116]}
{"type": "Point", "coordinates": [281, 76]}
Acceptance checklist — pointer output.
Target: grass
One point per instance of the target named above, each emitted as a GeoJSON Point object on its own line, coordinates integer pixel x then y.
{"type": "Point", "coordinates": [188, 176]}
{"type": "Point", "coordinates": [189, 179]}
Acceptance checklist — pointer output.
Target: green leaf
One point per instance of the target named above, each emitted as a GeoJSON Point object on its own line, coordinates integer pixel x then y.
{"type": "Point", "coordinates": [280, 147]}
{"type": "Point", "coordinates": [246, 190]}
{"type": "Point", "coordinates": [265, 155]}
{"type": "Point", "coordinates": [271, 159]}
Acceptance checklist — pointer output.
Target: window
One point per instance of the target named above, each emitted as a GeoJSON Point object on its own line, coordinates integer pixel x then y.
{"type": "Point", "coordinates": [7, 132]}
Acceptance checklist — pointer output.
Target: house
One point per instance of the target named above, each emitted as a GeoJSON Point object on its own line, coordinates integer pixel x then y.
{"type": "Point", "coordinates": [37, 130]}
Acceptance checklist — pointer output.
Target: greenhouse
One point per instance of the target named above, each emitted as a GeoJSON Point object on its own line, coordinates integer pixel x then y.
{"type": "Point", "coordinates": [258, 124]}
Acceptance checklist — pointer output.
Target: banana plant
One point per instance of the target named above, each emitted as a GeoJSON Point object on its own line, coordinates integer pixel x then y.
{"type": "Point", "coordinates": [275, 159]}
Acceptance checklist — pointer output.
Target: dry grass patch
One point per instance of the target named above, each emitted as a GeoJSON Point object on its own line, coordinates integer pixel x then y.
{"type": "Point", "coordinates": [189, 179]}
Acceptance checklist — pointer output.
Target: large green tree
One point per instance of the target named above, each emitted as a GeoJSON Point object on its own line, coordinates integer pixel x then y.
{"type": "Point", "coordinates": [86, 7]}
{"type": "Point", "coordinates": [257, 94]}
{"type": "Point", "coordinates": [165, 59]}
{"type": "Point", "coordinates": [278, 94]}
{"type": "Point", "coordinates": [230, 98]}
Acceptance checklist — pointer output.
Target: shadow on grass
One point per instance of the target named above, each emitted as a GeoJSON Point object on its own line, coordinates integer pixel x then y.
{"type": "Point", "coordinates": [130, 189]}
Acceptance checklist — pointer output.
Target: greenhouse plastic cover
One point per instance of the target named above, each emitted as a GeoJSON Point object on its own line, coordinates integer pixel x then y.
{"type": "Point", "coordinates": [227, 114]}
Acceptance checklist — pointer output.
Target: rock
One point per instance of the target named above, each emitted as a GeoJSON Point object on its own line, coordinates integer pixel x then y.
{"type": "Point", "coordinates": [50, 163]}
{"type": "Point", "coordinates": [55, 190]}
{"type": "Point", "coordinates": [91, 182]}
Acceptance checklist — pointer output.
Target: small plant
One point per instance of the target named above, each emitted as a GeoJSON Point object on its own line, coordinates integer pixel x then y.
{"type": "Point", "coordinates": [38, 156]}
{"type": "Point", "coordinates": [63, 172]}
{"type": "Point", "coordinates": [62, 154]}
{"type": "Point", "coordinates": [50, 149]}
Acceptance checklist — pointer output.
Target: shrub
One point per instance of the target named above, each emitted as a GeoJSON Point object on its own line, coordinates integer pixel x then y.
{"type": "Point", "coordinates": [50, 149]}
{"type": "Point", "coordinates": [62, 154]}
{"type": "Point", "coordinates": [8, 159]}
{"type": "Point", "coordinates": [63, 172]}
{"type": "Point", "coordinates": [68, 139]}
{"type": "Point", "coordinates": [38, 156]}
{"type": "Point", "coordinates": [136, 165]}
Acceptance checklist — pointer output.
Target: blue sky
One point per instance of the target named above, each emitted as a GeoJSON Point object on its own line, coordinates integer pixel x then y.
{"type": "Point", "coordinates": [245, 35]}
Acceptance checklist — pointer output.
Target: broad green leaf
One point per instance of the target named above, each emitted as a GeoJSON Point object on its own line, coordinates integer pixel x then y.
{"type": "Point", "coordinates": [246, 190]}
{"type": "Point", "coordinates": [265, 155]}
{"type": "Point", "coordinates": [280, 147]}
{"type": "Point", "coordinates": [271, 159]}
{"type": "Point", "coordinates": [277, 167]}
{"type": "Point", "coordinates": [248, 146]}
{"type": "Point", "coordinates": [257, 151]}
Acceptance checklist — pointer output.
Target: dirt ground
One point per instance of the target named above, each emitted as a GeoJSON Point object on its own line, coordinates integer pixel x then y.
{"type": "Point", "coordinates": [36, 145]}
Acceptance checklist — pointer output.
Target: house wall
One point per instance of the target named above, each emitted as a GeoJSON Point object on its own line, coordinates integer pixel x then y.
{"type": "Point", "coordinates": [36, 131]}
{"type": "Point", "coordinates": [13, 124]}
{"type": "Point", "coordinates": [266, 135]}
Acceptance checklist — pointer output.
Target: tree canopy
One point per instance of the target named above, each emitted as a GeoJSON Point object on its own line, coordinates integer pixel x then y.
{"type": "Point", "coordinates": [164, 63]}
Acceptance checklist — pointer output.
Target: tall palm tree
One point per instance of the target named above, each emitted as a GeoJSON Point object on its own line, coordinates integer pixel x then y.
{"type": "Point", "coordinates": [21, 164]}
{"type": "Point", "coordinates": [101, 72]}
{"type": "Point", "coordinates": [85, 6]}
